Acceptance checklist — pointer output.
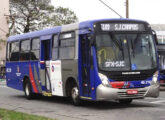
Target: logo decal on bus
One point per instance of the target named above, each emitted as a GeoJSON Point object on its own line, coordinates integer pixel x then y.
{"type": "Point", "coordinates": [18, 72]}
{"type": "Point", "coordinates": [126, 84]}
{"type": "Point", "coordinates": [145, 82]}
{"type": "Point", "coordinates": [133, 66]}
{"type": "Point", "coordinates": [130, 73]}
{"type": "Point", "coordinates": [18, 69]}
{"type": "Point", "coordinates": [8, 70]}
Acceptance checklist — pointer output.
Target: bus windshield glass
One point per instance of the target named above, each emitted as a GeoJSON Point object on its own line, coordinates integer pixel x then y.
{"type": "Point", "coordinates": [124, 52]}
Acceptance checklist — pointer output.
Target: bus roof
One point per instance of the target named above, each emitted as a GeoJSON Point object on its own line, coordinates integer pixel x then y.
{"type": "Point", "coordinates": [54, 30]}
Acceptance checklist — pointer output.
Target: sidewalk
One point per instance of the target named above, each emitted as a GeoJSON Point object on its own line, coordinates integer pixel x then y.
{"type": "Point", "coordinates": [2, 82]}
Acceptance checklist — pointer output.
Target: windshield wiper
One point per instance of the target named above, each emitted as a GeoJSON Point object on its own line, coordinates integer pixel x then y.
{"type": "Point", "coordinates": [121, 48]}
{"type": "Point", "coordinates": [132, 47]}
{"type": "Point", "coordinates": [132, 44]}
{"type": "Point", "coordinates": [117, 42]}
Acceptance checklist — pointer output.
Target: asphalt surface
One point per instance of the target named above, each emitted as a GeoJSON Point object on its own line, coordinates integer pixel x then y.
{"type": "Point", "coordinates": [62, 109]}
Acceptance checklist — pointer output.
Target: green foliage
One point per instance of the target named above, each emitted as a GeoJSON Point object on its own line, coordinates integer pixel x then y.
{"type": "Point", "coordinates": [11, 115]}
{"type": "Point", "coordinates": [64, 16]}
{"type": "Point", "coordinates": [31, 15]}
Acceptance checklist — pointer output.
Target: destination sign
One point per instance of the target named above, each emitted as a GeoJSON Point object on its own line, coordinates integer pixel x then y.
{"type": "Point", "coordinates": [122, 27]}
{"type": "Point", "coordinates": [67, 35]}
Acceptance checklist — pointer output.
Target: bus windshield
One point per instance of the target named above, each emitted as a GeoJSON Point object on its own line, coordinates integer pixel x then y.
{"type": "Point", "coordinates": [124, 52]}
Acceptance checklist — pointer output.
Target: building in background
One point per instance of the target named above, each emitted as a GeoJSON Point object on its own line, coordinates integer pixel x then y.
{"type": "Point", "coordinates": [158, 27]}
{"type": "Point", "coordinates": [4, 12]}
{"type": "Point", "coordinates": [160, 31]}
{"type": "Point", "coordinates": [161, 37]}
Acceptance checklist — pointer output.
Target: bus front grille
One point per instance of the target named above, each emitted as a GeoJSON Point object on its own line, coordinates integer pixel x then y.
{"type": "Point", "coordinates": [130, 77]}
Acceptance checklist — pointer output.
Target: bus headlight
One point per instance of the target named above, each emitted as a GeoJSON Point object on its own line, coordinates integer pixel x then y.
{"type": "Point", "coordinates": [104, 80]}
{"type": "Point", "coordinates": [155, 78]}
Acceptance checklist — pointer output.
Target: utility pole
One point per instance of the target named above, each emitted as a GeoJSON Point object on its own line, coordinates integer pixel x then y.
{"type": "Point", "coordinates": [127, 8]}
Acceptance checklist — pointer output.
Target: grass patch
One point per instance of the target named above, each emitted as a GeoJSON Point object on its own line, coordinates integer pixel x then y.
{"type": "Point", "coordinates": [12, 115]}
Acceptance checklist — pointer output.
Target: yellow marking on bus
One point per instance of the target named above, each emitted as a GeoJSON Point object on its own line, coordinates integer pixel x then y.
{"type": "Point", "coordinates": [85, 97]}
{"type": "Point", "coordinates": [47, 94]}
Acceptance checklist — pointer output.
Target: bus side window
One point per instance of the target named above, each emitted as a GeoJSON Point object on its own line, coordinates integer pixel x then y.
{"type": "Point", "coordinates": [55, 48]}
{"type": "Point", "coordinates": [25, 50]}
{"type": "Point", "coordinates": [67, 45]}
{"type": "Point", "coordinates": [35, 52]}
{"type": "Point", "coordinates": [14, 53]}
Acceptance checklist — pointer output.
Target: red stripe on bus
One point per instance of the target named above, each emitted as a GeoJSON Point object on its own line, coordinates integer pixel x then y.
{"type": "Point", "coordinates": [117, 84]}
{"type": "Point", "coordinates": [32, 79]}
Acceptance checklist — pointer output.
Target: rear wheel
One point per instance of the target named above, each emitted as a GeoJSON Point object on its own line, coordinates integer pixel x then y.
{"type": "Point", "coordinates": [75, 95]}
{"type": "Point", "coordinates": [28, 90]}
{"type": "Point", "coordinates": [125, 101]}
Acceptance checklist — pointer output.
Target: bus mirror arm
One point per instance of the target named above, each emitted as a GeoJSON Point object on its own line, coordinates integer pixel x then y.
{"type": "Point", "coordinates": [91, 41]}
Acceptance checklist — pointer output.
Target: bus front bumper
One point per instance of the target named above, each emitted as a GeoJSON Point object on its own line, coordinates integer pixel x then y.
{"type": "Point", "coordinates": [106, 93]}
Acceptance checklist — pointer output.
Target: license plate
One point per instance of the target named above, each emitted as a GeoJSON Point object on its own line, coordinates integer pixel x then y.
{"type": "Point", "coordinates": [132, 92]}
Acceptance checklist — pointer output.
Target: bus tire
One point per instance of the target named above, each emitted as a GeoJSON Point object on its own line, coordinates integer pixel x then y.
{"type": "Point", "coordinates": [75, 95]}
{"type": "Point", "coordinates": [125, 101]}
{"type": "Point", "coordinates": [28, 90]}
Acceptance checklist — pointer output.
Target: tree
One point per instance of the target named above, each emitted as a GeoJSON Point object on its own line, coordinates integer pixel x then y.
{"type": "Point", "coordinates": [31, 15]}
{"type": "Point", "coordinates": [64, 16]}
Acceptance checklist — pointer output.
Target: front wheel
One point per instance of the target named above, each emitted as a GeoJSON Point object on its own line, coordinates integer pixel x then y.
{"type": "Point", "coordinates": [75, 96]}
{"type": "Point", "coordinates": [125, 101]}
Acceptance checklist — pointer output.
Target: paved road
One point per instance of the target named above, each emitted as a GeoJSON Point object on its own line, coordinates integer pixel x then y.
{"type": "Point", "coordinates": [62, 109]}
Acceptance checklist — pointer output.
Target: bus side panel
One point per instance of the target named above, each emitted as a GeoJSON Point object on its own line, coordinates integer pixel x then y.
{"type": "Point", "coordinates": [16, 71]}
{"type": "Point", "coordinates": [69, 70]}
{"type": "Point", "coordinates": [94, 74]}
{"type": "Point", "coordinates": [14, 74]}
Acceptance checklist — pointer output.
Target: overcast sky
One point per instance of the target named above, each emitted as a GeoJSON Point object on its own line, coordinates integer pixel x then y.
{"type": "Point", "coordinates": [152, 11]}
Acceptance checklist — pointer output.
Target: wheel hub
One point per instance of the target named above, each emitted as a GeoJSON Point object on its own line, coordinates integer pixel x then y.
{"type": "Point", "coordinates": [27, 90]}
{"type": "Point", "coordinates": [75, 93]}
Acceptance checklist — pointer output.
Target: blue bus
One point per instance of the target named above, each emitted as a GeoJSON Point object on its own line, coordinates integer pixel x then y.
{"type": "Point", "coordinates": [161, 54]}
{"type": "Point", "coordinates": [98, 60]}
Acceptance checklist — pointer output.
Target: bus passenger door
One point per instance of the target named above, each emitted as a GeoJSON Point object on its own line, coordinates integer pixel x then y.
{"type": "Point", "coordinates": [45, 67]}
{"type": "Point", "coordinates": [85, 66]}
{"type": "Point", "coordinates": [51, 70]}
